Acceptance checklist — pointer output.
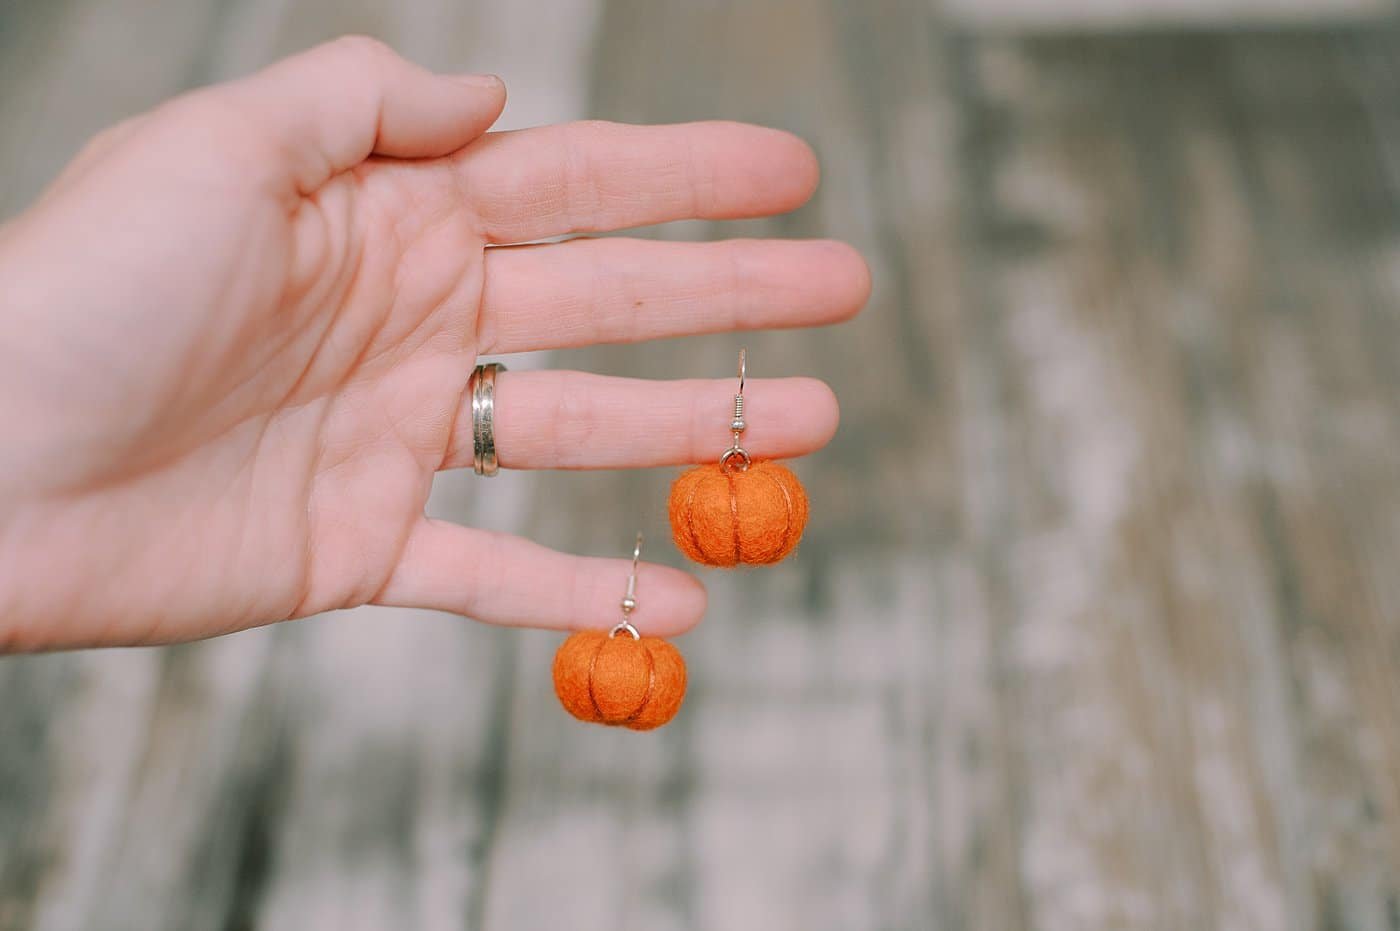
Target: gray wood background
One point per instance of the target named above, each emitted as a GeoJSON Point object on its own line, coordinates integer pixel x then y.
{"type": "Point", "coordinates": [1097, 624]}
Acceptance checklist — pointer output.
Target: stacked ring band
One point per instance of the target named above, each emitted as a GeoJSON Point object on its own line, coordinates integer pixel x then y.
{"type": "Point", "coordinates": [482, 385]}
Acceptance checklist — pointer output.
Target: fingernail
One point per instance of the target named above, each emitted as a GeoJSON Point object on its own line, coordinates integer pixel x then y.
{"type": "Point", "coordinates": [477, 80]}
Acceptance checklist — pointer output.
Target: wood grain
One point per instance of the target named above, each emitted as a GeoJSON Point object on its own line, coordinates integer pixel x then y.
{"type": "Point", "coordinates": [1096, 624]}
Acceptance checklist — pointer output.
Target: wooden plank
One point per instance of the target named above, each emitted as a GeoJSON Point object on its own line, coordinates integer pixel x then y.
{"type": "Point", "coordinates": [1068, 16]}
{"type": "Point", "coordinates": [1138, 677]}
{"type": "Point", "coordinates": [1147, 331]}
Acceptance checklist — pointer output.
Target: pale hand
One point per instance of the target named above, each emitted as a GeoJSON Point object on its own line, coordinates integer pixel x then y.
{"type": "Point", "coordinates": [235, 337]}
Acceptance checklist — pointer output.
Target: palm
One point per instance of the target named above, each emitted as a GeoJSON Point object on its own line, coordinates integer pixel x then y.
{"type": "Point", "coordinates": [307, 332]}
{"type": "Point", "coordinates": [369, 396]}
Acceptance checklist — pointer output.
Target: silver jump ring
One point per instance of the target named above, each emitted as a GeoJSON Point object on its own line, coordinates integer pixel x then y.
{"type": "Point", "coordinates": [627, 626]}
{"type": "Point", "coordinates": [482, 385]}
{"type": "Point", "coordinates": [736, 452]}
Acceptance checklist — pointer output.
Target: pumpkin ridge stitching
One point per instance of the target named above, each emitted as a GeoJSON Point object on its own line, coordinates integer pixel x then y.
{"type": "Point", "coordinates": [689, 519]}
{"type": "Point", "coordinates": [592, 663]}
{"type": "Point", "coordinates": [651, 686]}
{"type": "Point", "coordinates": [787, 498]}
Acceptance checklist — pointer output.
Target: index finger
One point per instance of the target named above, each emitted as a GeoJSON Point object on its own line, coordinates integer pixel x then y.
{"type": "Point", "coordinates": [595, 177]}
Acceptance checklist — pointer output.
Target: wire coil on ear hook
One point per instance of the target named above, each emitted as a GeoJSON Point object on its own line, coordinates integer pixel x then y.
{"type": "Point", "coordinates": [737, 426]}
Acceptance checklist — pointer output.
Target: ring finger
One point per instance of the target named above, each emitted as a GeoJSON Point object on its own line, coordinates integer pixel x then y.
{"type": "Point", "coordinates": [573, 420]}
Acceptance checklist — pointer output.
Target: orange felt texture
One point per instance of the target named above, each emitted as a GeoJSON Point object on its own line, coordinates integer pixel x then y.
{"type": "Point", "coordinates": [722, 518]}
{"type": "Point", "coordinates": [573, 662]}
{"type": "Point", "coordinates": [638, 684]}
{"type": "Point", "coordinates": [621, 678]}
{"type": "Point", "coordinates": [668, 686]}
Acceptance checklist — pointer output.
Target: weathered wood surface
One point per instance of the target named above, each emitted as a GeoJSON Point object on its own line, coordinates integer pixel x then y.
{"type": "Point", "coordinates": [1098, 621]}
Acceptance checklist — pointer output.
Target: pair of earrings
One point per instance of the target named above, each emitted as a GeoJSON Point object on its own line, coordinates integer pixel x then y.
{"type": "Point", "coordinates": [738, 510]}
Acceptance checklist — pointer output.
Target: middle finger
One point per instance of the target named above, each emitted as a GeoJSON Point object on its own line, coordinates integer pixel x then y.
{"type": "Point", "coordinates": [588, 291]}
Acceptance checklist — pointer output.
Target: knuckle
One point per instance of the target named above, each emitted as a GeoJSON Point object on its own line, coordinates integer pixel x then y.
{"type": "Point", "coordinates": [362, 47]}
{"type": "Point", "coordinates": [574, 418]}
{"type": "Point", "coordinates": [591, 130]}
{"type": "Point", "coordinates": [217, 125]}
{"type": "Point", "coordinates": [580, 193]}
{"type": "Point", "coordinates": [109, 137]}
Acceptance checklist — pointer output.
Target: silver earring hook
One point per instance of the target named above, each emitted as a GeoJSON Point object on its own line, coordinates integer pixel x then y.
{"type": "Point", "coordinates": [629, 600]}
{"type": "Point", "coordinates": [738, 425]}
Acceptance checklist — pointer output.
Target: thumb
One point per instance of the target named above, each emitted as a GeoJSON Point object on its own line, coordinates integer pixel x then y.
{"type": "Point", "coordinates": [333, 106]}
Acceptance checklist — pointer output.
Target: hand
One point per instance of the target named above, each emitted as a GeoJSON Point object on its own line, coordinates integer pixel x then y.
{"type": "Point", "coordinates": [236, 332]}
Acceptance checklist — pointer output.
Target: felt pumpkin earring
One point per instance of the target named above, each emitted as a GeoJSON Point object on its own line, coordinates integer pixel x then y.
{"type": "Point", "coordinates": [738, 510]}
{"type": "Point", "coordinates": [629, 681]}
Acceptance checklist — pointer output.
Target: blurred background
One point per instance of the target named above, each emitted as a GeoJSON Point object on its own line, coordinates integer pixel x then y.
{"type": "Point", "coordinates": [1097, 621]}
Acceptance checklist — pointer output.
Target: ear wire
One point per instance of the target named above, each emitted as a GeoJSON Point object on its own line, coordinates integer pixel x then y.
{"type": "Point", "coordinates": [738, 425]}
{"type": "Point", "coordinates": [629, 600]}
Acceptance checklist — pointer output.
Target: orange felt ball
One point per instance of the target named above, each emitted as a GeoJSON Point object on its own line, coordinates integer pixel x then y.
{"type": "Point", "coordinates": [722, 517]}
{"type": "Point", "coordinates": [618, 680]}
